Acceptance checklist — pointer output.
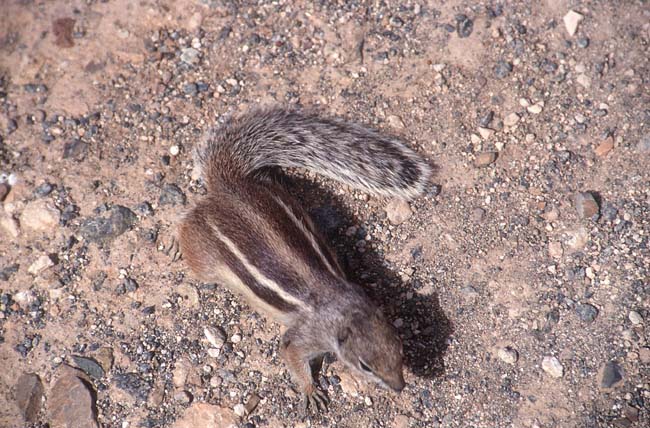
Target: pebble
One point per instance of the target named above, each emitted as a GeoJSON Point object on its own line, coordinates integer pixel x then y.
{"type": "Point", "coordinates": [586, 206]}
{"type": "Point", "coordinates": [502, 69]}
{"type": "Point", "coordinates": [611, 375]}
{"type": "Point", "coordinates": [39, 216]}
{"type": "Point", "coordinates": [398, 211]}
{"type": "Point", "coordinates": [43, 190]}
{"type": "Point", "coordinates": [395, 122]}
{"type": "Point", "coordinates": [206, 415]}
{"type": "Point", "coordinates": [104, 356]}
{"type": "Point", "coordinates": [484, 159]}
{"type": "Point", "coordinates": [464, 25]}
{"type": "Point", "coordinates": [135, 385]}
{"type": "Point", "coordinates": [508, 355]}
{"type": "Point", "coordinates": [235, 338]}
{"type": "Point", "coordinates": [571, 21]}
{"type": "Point", "coordinates": [485, 133]}
{"type": "Point", "coordinates": [635, 318]}
{"type": "Point", "coordinates": [583, 42]}
{"type": "Point", "coordinates": [28, 393]}
{"type": "Point", "coordinates": [368, 401]}
{"type": "Point", "coordinates": [174, 150]}
{"type": "Point", "coordinates": [102, 229]}
{"type": "Point", "coordinates": [190, 56]}
{"type": "Point", "coordinates": [401, 421]}
{"type": "Point", "coordinates": [605, 146]}
{"type": "Point", "coordinates": [643, 146]}
{"type": "Point", "coordinates": [70, 401]}
{"type": "Point", "coordinates": [586, 312]}
{"type": "Point", "coordinates": [552, 366]}
{"type": "Point", "coordinates": [251, 403]}
{"type": "Point", "coordinates": [89, 366]}
{"type": "Point", "coordinates": [239, 410]}
{"type": "Point", "coordinates": [555, 249]}
{"type": "Point", "coordinates": [511, 120]}
{"type": "Point", "coordinates": [40, 264]}
{"type": "Point", "coordinates": [214, 336]}
{"type": "Point", "coordinates": [171, 194]}
{"type": "Point", "coordinates": [536, 108]}
{"type": "Point", "coordinates": [24, 298]}
{"type": "Point", "coordinates": [584, 81]}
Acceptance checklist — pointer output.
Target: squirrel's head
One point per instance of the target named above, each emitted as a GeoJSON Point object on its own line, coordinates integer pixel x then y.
{"type": "Point", "coordinates": [370, 346]}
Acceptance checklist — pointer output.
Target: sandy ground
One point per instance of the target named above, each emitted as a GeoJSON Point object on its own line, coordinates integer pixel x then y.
{"type": "Point", "coordinates": [519, 283]}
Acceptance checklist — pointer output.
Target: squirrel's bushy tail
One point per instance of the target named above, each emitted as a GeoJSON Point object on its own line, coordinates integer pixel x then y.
{"type": "Point", "coordinates": [349, 153]}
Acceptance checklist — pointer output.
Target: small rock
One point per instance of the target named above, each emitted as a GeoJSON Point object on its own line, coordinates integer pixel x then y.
{"type": "Point", "coordinates": [485, 133]}
{"type": "Point", "coordinates": [583, 42]}
{"type": "Point", "coordinates": [133, 384]}
{"type": "Point", "coordinates": [502, 69]}
{"type": "Point", "coordinates": [43, 190]}
{"type": "Point", "coordinates": [239, 410]}
{"type": "Point", "coordinates": [89, 366]}
{"type": "Point", "coordinates": [571, 21]}
{"type": "Point", "coordinates": [190, 56]}
{"type": "Point", "coordinates": [102, 229]}
{"type": "Point", "coordinates": [611, 375]}
{"type": "Point", "coordinates": [215, 336]}
{"type": "Point", "coordinates": [39, 216]}
{"type": "Point", "coordinates": [605, 146]}
{"type": "Point", "coordinates": [635, 318]}
{"type": "Point", "coordinates": [172, 195]}
{"type": "Point", "coordinates": [508, 355]}
{"type": "Point", "coordinates": [536, 108]}
{"type": "Point", "coordinates": [367, 401]}
{"type": "Point", "coordinates": [395, 122]}
{"type": "Point", "coordinates": [398, 211]}
{"type": "Point", "coordinates": [29, 393]}
{"type": "Point", "coordinates": [555, 250]}
{"type": "Point", "coordinates": [584, 81]}
{"type": "Point", "coordinates": [75, 149]}
{"type": "Point", "coordinates": [586, 206]}
{"type": "Point", "coordinates": [24, 298]}
{"type": "Point", "coordinates": [484, 159]}
{"type": "Point", "coordinates": [511, 120]}
{"type": "Point", "coordinates": [206, 415]}
{"type": "Point", "coordinates": [552, 366]}
{"type": "Point", "coordinates": [40, 264]}
{"type": "Point", "coordinates": [349, 385]}
{"type": "Point", "coordinates": [70, 401]}
{"type": "Point", "coordinates": [586, 312]}
{"type": "Point", "coordinates": [464, 26]}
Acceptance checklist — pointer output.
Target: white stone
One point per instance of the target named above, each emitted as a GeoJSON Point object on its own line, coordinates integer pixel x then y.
{"type": "Point", "coordinates": [511, 119]}
{"type": "Point", "coordinates": [536, 108]}
{"type": "Point", "coordinates": [552, 366]}
{"type": "Point", "coordinates": [508, 355]}
{"type": "Point", "coordinates": [571, 21]}
{"type": "Point", "coordinates": [635, 318]}
{"type": "Point", "coordinates": [239, 410]}
{"type": "Point", "coordinates": [40, 264]}
{"type": "Point", "coordinates": [398, 211]}
{"type": "Point", "coordinates": [584, 80]}
{"type": "Point", "coordinates": [485, 133]}
{"type": "Point", "coordinates": [39, 216]}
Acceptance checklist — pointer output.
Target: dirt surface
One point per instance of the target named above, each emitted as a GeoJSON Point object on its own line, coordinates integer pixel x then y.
{"type": "Point", "coordinates": [519, 283]}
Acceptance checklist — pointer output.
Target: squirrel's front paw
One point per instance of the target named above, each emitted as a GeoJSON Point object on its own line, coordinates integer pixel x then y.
{"type": "Point", "coordinates": [171, 248]}
{"type": "Point", "coordinates": [314, 398]}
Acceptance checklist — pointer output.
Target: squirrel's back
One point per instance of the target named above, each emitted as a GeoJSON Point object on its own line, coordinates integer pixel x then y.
{"type": "Point", "coordinates": [349, 153]}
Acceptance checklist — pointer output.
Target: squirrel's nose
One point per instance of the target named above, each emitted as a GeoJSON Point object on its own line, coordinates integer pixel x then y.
{"type": "Point", "coordinates": [398, 384]}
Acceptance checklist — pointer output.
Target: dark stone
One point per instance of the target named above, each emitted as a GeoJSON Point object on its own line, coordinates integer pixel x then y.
{"type": "Point", "coordinates": [583, 42]}
{"type": "Point", "coordinates": [190, 89]}
{"type": "Point", "coordinates": [75, 149]}
{"type": "Point", "coordinates": [89, 366]}
{"type": "Point", "coordinates": [103, 229]}
{"type": "Point", "coordinates": [612, 375]}
{"type": "Point", "coordinates": [144, 209]}
{"type": "Point", "coordinates": [502, 69]}
{"type": "Point", "coordinates": [327, 219]}
{"type": "Point", "coordinates": [134, 385]}
{"type": "Point", "coordinates": [29, 393]}
{"type": "Point", "coordinates": [586, 312]}
{"type": "Point", "coordinates": [172, 195]}
{"type": "Point", "coordinates": [464, 26]}
{"type": "Point", "coordinates": [43, 190]}
{"type": "Point", "coordinates": [486, 119]}
{"type": "Point", "coordinates": [587, 206]}
{"type": "Point", "coordinates": [7, 272]}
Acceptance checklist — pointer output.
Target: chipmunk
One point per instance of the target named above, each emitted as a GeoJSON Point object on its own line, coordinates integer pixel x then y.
{"type": "Point", "coordinates": [249, 234]}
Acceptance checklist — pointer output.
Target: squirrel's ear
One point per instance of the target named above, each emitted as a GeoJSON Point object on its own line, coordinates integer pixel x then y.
{"type": "Point", "coordinates": [343, 335]}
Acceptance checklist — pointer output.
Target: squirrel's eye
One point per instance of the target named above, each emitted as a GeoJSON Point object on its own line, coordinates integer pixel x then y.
{"type": "Point", "coordinates": [364, 366]}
